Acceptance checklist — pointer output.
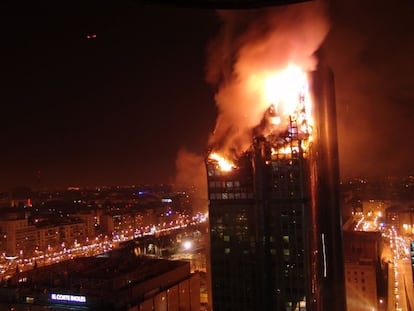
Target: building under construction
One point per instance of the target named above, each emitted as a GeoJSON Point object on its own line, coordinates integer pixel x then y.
{"type": "Point", "coordinates": [275, 223]}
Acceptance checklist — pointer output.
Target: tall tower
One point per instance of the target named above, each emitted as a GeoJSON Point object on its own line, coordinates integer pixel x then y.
{"type": "Point", "coordinates": [275, 223]}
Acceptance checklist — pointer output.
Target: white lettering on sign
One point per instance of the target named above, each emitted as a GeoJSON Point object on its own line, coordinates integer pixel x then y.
{"type": "Point", "coordinates": [68, 298]}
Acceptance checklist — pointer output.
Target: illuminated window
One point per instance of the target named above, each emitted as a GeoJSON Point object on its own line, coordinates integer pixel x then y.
{"type": "Point", "coordinates": [227, 250]}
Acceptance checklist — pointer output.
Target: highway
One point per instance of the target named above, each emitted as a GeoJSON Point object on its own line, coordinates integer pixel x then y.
{"type": "Point", "coordinates": [96, 246]}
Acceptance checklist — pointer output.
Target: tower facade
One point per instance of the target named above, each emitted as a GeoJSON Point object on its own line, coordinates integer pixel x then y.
{"type": "Point", "coordinates": [275, 223]}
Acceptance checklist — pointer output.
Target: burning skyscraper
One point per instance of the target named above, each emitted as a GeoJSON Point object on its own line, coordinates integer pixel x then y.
{"type": "Point", "coordinates": [273, 176]}
{"type": "Point", "coordinates": [275, 224]}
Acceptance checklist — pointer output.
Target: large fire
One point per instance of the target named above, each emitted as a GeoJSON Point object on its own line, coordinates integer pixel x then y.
{"type": "Point", "coordinates": [225, 165]}
{"type": "Point", "coordinates": [286, 94]}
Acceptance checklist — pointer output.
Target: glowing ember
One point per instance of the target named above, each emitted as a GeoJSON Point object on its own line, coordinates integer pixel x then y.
{"type": "Point", "coordinates": [285, 150]}
{"type": "Point", "coordinates": [224, 164]}
{"type": "Point", "coordinates": [289, 149]}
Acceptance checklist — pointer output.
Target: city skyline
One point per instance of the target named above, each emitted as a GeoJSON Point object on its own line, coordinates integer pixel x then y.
{"type": "Point", "coordinates": [110, 94]}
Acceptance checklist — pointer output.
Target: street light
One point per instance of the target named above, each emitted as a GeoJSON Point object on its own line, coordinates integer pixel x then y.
{"type": "Point", "coordinates": [187, 245]}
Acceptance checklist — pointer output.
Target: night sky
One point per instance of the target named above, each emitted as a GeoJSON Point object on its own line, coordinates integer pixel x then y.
{"type": "Point", "coordinates": [117, 108]}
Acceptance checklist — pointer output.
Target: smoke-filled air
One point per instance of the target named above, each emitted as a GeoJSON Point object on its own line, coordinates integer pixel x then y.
{"type": "Point", "coordinates": [259, 62]}
{"type": "Point", "coordinates": [251, 50]}
{"type": "Point", "coordinates": [191, 176]}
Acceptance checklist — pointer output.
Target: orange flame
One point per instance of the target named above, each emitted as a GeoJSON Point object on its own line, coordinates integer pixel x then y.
{"type": "Point", "coordinates": [288, 92]}
{"type": "Point", "coordinates": [225, 165]}
{"type": "Point", "coordinates": [285, 95]}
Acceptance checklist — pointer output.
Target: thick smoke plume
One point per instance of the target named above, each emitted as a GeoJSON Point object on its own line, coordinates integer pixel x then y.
{"type": "Point", "coordinates": [191, 176]}
{"type": "Point", "coordinates": [250, 46]}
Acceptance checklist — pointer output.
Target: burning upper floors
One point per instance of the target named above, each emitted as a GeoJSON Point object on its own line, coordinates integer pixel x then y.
{"type": "Point", "coordinates": [281, 141]}
{"type": "Point", "coordinates": [274, 208]}
{"type": "Point", "coordinates": [284, 158]}
{"type": "Point", "coordinates": [282, 114]}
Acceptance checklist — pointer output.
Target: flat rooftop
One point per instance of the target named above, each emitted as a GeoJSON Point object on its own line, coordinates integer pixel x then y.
{"type": "Point", "coordinates": [107, 272]}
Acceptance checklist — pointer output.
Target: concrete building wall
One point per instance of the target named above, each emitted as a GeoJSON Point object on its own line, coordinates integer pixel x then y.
{"type": "Point", "coordinates": [184, 296]}
{"type": "Point", "coordinates": [26, 240]}
{"type": "Point", "coordinates": [361, 286]}
{"type": "Point", "coordinates": [160, 302]}
{"type": "Point", "coordinates": [147, 305]}
{"type": "Point", "coordinates": [184, 289]}
{"type": "Point", "coordinates": [89, 220]}
{"type": "Point", "coordinates": [107, 224]}
{"type": "Point", "coordinates": [165, 285]}
{"type": "Point", "coordinates": [195, 292]}
{"type": "Point", "coordinates": [9, 229]}
{"type": "Point", "coordinates": [19, 236]}
{"type": "Point", "coordinates": [173, 298]}
{"type": "Point", "coordinates": [48, 238]}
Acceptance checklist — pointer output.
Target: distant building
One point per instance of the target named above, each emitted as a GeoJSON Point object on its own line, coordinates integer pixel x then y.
{"type": "Point", "coordinates": [120, 280]}
{"type": "Point", "coordinates": [401, 217]}
{"type": "Point", "coordinates": [19, 237]}
{"type": "Point", "coordinates": [361, 286]}
{"type": "Point", "coordinates": [21, 197]}
{"type": "Point", "coordinates": [121, 223]}
{"type": "Point", "coordinates": [14, 233]}
{"type": "Point", "coordinates": [69, 233]}
{"type": "Point", "coordinates": [91, 221]}
{"type": "Point", "coordinates": [365, 277]}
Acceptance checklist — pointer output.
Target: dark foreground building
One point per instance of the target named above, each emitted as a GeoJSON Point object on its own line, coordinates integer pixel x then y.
{"type": "Point", "coordinates": [119, 281]}
{"type": "Point", "coordinates": [275, 223]}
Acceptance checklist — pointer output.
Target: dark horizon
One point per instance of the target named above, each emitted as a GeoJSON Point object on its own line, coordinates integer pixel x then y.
{"type": "Point", "coordinates": [109, 95]}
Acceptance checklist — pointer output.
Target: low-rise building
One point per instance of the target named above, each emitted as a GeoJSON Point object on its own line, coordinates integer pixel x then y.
{"type": "Point", "coordinates": [119, 280]}
{"type": "Point", "coordinates": [364, 275]}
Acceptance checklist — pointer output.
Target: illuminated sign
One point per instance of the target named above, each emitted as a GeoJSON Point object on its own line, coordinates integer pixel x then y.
{"type": "Point", "coordinates": [68, 298]}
